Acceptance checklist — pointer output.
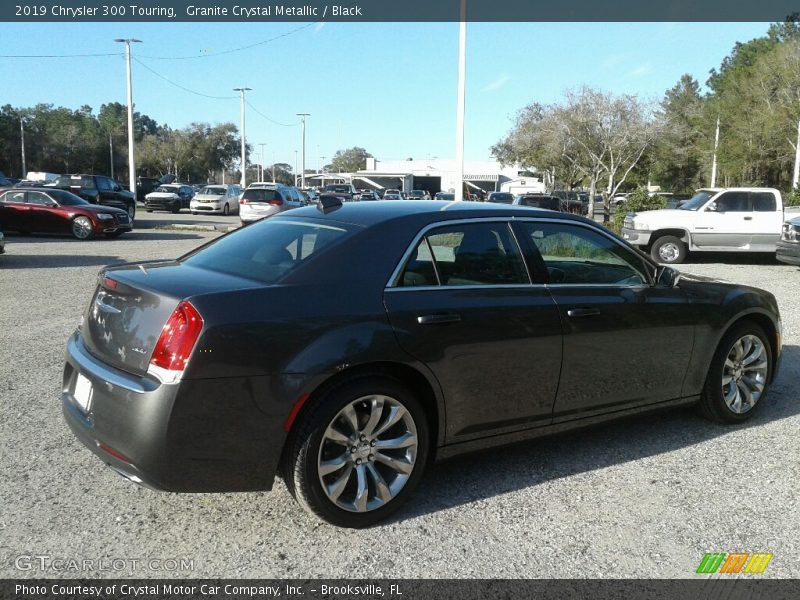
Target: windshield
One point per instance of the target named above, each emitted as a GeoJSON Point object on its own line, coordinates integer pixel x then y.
{"type": "Point", "coordinates": [501, 198]}
{"type": "Point", "coordinates": [168, 189]}
{"type": "Point", "coordinates": [268, 250]}
{"type": "Point", "coordinates": [213, 191]}
{"type": "Point", "coordinates": [66, 198]}
{"type": "Point", "coordinates": [698, 200]}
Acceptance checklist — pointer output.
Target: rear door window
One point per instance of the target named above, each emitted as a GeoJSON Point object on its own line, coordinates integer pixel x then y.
{"type": "Point", "coordinates": [763, 202]}
{"type": "Point", "coordinates": [734, 202]}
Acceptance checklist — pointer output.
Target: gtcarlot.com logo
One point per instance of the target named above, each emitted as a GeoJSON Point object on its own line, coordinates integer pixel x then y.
{"type": "Point", "coordinates": [64, 564]}
{"type": "Point", "coordinates": [734, 562]}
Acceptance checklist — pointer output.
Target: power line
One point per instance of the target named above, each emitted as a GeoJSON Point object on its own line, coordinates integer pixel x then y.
{"type": "Point", "coordinates": [184, 88]}
{"type": "Point", "coordinates": [59, 55]}
{"type": "Point", "coordinates": [258, 112]}
{"type": "Point", "coordinates": [232, 50]}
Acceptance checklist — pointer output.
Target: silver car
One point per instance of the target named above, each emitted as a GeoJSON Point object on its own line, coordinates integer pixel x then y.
{"type": "Point", "coordinates": [265, 200]}
{"type": "Point", "coordinates": [216, 199]}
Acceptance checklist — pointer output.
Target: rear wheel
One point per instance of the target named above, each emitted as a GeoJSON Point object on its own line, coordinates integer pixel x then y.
{"type": "Point", "coordinates": [82, 228]}
{"type": "Point", "coordinates": [226, 209]}
{"type": "Point", "coordinates": [739, 375]}
{"type": "Point", "coordinates": [668, 250]}
{"type": "Point", "coordinates": [358, 453]}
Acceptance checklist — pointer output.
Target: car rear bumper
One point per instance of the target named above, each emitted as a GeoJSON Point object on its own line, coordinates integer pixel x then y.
{"type": "Point", "coordinates": [788, 253]}
{"type": "Point", "coordinates": [207, 435]}
{"type": "Point", "coordinates": [248, 214]}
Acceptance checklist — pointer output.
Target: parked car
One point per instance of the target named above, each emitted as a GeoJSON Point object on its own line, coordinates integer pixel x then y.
{"type": "Point", "coordinates": [329, 342]}
{"type": "Point", "coordinates": [392, 195]}
{"type": "Point", "coordinates": [264, 200]}
{"type": "Point", "coordinates": [419, 195]}
{"type": "Point", "coordinates": [714, 220]}
{"type": "Point", "coordinates": [445, 196]}
{"type": "Point", "coordinates": [145, 185]}
{"type": "Point", "coordinates": [171, 197]}
{"type": "Point", "coordinates": [347, 192]}
{"type": "Point", "coordinates": [539, 201]}
{"type": "Point", "coordinates": [369, 195]}
{"type": "Point", "coordinates": [788, 248]}
{"type": "Point", "coordinates": [501, 198]}
{"type": "Point", "coordinates": [216, 199]}
{"type": "Point", "coordinates": [98, 189]}
{"type": "Point", "coordinates": [52, 210]}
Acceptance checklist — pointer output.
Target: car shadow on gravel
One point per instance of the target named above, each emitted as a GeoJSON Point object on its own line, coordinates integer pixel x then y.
{"type": "Point", "coordinates": [732, 258]}
{"type": "Point", "coordinates": [135, 235]}
{"type": "Point", "coordinates": [507, 469]}
{"type": "Point", "coordinates": [56, 261]}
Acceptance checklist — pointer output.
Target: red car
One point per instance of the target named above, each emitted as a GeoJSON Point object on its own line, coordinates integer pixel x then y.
{"type": "Point", "coordinates": [49, 210]}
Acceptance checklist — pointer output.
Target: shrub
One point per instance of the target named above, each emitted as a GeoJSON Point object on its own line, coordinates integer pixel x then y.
{"type": "Point", "coordinates": [637, 201]}
{"type": "Point", "coordinates": [792, 198]}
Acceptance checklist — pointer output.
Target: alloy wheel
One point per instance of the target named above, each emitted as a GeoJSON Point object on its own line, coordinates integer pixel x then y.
{"type": "Point", "coordinates": [744, 374]}
{"type": "Point", "coordinates": [368, 453]}
{"type": "Point", "coordinates": [82, 228]}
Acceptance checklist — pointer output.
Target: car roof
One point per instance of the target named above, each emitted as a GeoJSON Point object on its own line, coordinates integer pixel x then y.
{"type": "Point", "coordinates": [370, 213]}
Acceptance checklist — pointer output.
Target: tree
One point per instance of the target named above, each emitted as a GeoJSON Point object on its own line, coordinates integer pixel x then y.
{"type": "Point", "coordinates": [349, 161]}
{"type": "Point", "coordinates": [592, 134]}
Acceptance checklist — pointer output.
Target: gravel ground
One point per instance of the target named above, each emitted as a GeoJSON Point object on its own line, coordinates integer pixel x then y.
{"type": "Point", "coordinates": [641, 498]}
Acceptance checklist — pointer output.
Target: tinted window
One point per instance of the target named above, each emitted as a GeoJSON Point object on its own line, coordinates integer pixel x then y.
{"type": "Point", "coordinates": [501, 198]}
{"type": "Point", "coordinates": [763, 201]}
{"type": "Point", "coordinates": [67, 199]}
{"type": "Point", "coordinates": [39, 198]}
{"type": "Point", "coordinates": [576, 255]}
{"type": "Point", "coordinates": [268, 250]}
{"type": "Point", "coordinates": [470, 254]}
{"type": "Point", "coordinates": [213, 191]}
{"type": "Point", "coordinates": [733, 202]}
{"type": "Point", "coordinates": [17, 197]}
{"type": "Point", "coordinates": [541, 202]}
{"type": "Point", "coordinates": [696, 201]}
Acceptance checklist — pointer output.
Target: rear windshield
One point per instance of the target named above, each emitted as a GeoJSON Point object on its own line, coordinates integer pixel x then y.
{"type": "Point", "coordinates": [501, 198]}
{"type": "Point", "coordinates": [268, 250]}
{"type": "Point", "coordinates": [261, 195]}
{"type": "Point", "coordinates": [338, 189]}
{"type": "Point", "coordinates": [168, 189]}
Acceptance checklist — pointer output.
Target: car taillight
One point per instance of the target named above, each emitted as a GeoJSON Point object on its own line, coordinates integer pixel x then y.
{"type": "Point", "coordinates": [176, 343]}
{"type": "Point", "coordinates": [244, 201]}
{"type": "Point", "coordinates": [276, 202]}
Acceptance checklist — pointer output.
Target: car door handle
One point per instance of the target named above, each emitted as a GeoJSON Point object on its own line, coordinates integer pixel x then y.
{"type": "Point", "coordinates": [748, 218]}
{"type": "Point", "coordinates": [583, 312]}
{"type": "Point", "coordinates": [438, 319]}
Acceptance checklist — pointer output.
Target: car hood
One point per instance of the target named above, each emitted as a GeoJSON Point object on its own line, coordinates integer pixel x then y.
{"type": "Point", "coordinates": [794, 221]}
{"type": "Point", "coordinates": [99, 208]}
{"type": "Point", "coordinates": [666, 215]}
{"type": "Point", "coordinates": [156, 195]}
{"type": "Point", "coordinates": [212, 197]}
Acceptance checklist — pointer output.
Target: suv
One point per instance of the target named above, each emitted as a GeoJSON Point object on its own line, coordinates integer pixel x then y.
{"type": "Point", "coordinates": [98, 189]}
{"type": "Point", "coordinates": [171, 196]}
{"type": "Point", "coordinates": [266, 199]}
{"type": "Point", "coordinates": [346, 191]}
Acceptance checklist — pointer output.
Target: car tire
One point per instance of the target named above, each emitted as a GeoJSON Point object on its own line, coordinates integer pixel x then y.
{"type": "Point", "coordinates": [149, 210]}
{"type": "Point", "coordinates": [333, 465]}
{"type": "Point", "coordinates": [176, 207]}
{"type": "Point", "coordinates": [739, 375]}
{"type": "Point", "coordinates": [132, 211]}
{"type": "Point", "coordinates": [668, 250]}
{"type": "Point", "coordinates": [82, 228]}
{"type": "Point", "coordinates": [226, 210]}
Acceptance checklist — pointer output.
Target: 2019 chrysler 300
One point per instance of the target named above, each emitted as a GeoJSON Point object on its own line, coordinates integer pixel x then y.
{"type": "Point", "coordinates": [346, 346]}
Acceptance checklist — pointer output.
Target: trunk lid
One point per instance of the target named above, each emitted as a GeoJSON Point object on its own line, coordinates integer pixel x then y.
{"type": "Point", "coordinates": [132, 303]}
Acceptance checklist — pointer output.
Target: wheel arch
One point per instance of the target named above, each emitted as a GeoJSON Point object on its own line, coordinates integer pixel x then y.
{"type": "Point", "coordinates": [681, 234]}
{"type": "Point", "coordinates": [767, 324]}
{"type": "Point", "coordinates": [419, 384]}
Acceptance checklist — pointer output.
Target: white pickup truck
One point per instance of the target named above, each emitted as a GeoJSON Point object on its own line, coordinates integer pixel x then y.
{"type": "Point", "coordinates": [714, 220]}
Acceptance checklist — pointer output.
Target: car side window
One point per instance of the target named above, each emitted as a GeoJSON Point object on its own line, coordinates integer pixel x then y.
{"type": "Point", "coordinates": [15, 197]}
{"type": "Point", "coordinates": [39, 198]}
{"type": "Point", "coordinates": [103, 184]}
{"type": "Point", "coordinates": [468, 254]}
{"type": "Point", "coordinates": [88, 183]}
{"type": "Point", "coordinates": [733, 202]}
{"type": "Point", "coordinates": [578, 255]}
{"type": "Point", "coordinates": [763, 201]}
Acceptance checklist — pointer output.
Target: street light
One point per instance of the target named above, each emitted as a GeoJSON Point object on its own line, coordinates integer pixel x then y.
{"type": "Point", "coordinates": [243, 181]}
{"type": "Point", "coordinates": [131, 157]}
{"type": "Point", "coordinates": [22, 143]}
{"type": "Point", "coordinates": [295, 167]}
{"type": "Point", "coordinates": [263, 160]}
{"type": "Point", "coordinates": [462, 75]}
{"type": "Point", "coordinates": [303, 173]}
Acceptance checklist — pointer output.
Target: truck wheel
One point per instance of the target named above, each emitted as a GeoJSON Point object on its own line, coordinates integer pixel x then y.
{"type": "Point", "coordinates": [668, 250]}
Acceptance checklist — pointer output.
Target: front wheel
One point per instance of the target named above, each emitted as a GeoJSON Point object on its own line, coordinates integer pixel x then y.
{"type": "Point", "coordinates": [358, 453]}
{"type": "Point", "coordinates": [131, 211]}
{"type": "Point", "coordinates": [82, 228]}
{"type": "Point", "coordinates": [176, 207]}
{"type": "Point", "coordinates": [226, 209]}
{"type": "Point", "coordinates": [739, 375]}
{"type": "Point", "coordinates": [668, 250]}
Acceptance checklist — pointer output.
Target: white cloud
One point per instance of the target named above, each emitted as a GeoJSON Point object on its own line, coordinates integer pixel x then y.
{"type": "Point", "coordinates": [498, 83]}
{"type": "Point", "coordinates": [641, 71]}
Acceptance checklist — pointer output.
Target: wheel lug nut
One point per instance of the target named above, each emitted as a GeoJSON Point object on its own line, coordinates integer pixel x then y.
{"type": "Point", "coordinates": [371, 457]}
{"type": "Point", "coordinates": [363, 438]}
{"type": "Point", "coordinates": [358, 461]}
{"type": "Point", "coordinates": [372, 443]}
{"type": "Point", "coordinates": [353, 450]}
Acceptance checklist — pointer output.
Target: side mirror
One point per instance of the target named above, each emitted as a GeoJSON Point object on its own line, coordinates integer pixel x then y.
{"type": "Point", "coordinates": [667, 277]}
{"type": "Point", "coordinates": [713, 208]}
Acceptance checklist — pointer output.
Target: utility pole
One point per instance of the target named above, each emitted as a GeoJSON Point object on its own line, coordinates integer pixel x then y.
{"type": "Point", "coordinates": [303, 173]}
{"type": "Point", "coordinates": [273, 165]}
{"type": "Point", "coordinates": [22, 138]}
{"type": "Point", "coordinates": [243, 181]}
{"type": "Point", "coordinates": [796, 176]}
{"type": "Point", "coordinates": [131, 156]}
{"type": "Point", "coordinates": [295, 167]}
{"type": "Point", "coordinates": [111, 153]}
{"type": "Point", "coordinates": [462, 74]}
{"type": "Point", "coordinates": [263, 158]}
{"type": "Point", "coordinates": [714, 160]}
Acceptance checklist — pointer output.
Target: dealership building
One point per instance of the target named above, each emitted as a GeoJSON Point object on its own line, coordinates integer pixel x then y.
{"type": "Point", "coordinates": [433, 175]}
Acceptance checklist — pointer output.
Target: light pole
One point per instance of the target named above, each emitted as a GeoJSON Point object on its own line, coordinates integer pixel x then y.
{"type": "Point", "coordinates": [714, 160]}
{"type": "Point", "coordinates": [295, 167]}
{"type": "Point", "coordinates": [111, 153]}
{"type": "Point", "coordinates": [263, 159]}
{"type": "Point", "coordinates": [131, 157]}
{"type": "Point", "coordinates": [303, 173]}
{"type": "Point", "coordinates": [243, 181]}
{"type": "Point", "coordinates": [22, 141]}
{"type": "Point", "coordinates": [462, 73]}
{"type": "Point", "coordinates": [273, 165]}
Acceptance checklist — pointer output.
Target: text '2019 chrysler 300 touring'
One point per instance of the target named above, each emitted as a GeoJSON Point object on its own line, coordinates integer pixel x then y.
{"type": "Point", "coordinates": [346, 346]}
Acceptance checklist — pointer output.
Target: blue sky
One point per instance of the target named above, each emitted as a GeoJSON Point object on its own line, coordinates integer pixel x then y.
{"type": "Point", "coordinates": [389, 87]}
